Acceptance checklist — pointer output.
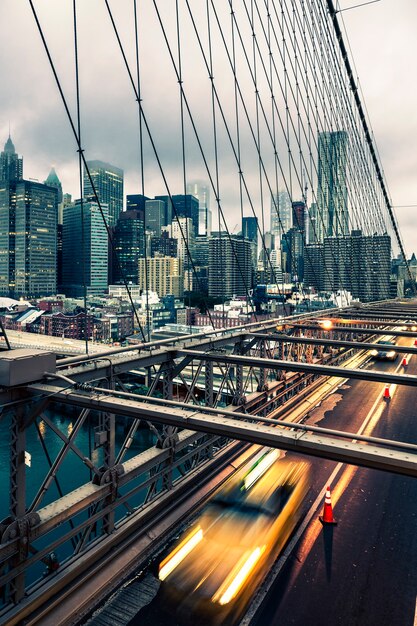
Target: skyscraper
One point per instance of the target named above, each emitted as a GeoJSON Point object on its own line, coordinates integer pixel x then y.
{"type": "Point", "coordinates": [182, 230]}
{"type": "Point", "coordinates": [129, 246]}
{"type": "Point", "coordinates": [333, 217]}
{"type": "Point", "coordinates": [108, 182]}
{"type": "Point", "coordinates": [370, 262]}
{"type": "Point", "coordinates": [164, 245]}
{"type": "Point", "coordinates": [202, 193]}
{"type": "Point", "coordinates": [53, 181]}
{"type": "Point", "coordinates": [89, 262]}
{"type": "Point", "coordinates": [155, 216]}
{"type": "Point", "coordinates": [187, 206]}
{"type": "Point", "coordinates": [11, 165]}
{"type": "Point", "coordinates": [313, 266]}
{"type": "Point", "coordinates": [299, 215]}
{"type": "Point", "coordinates": [169, 214]}
{"type": "Point", "coordinates": [250, 232]}
{"type": "Point", "coordinates": [293, 249]}
{"type": "Point", "coordinates": [250, 228]}
{"type": "Point", "coordinates": [355, 263]}
{"type": "Point", "coordinates": [230, 263]}
{"type": "Point", "coordinates": [281, 214]}
{"type": "Point", "coordinates": [28, 239]}
{"type": "Point", "coordinates": [136, 202]}
{"type": "Point", "coordinates": [337, 273]}
{"type": "Point", "coordinates": [312, 225]}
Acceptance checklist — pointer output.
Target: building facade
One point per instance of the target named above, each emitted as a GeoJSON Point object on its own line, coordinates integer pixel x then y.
{"type": "Point", "coordinates": [186, 205]}
{"type": "Point", "coordinates": [183, 231]}
{"type": "Point", "coordinates": [28, 239]}
{"type": "Point", "coordinates": [89, 262]}
{"type": "Point", "coordinates": [230, 263]}
{"type": "Point", "coordinates": [281, 215]}
{"type": "Point", "coordinates": [163, 275]}
{"type": "Point", "coordinates": [129, 246]}
{"type": "Point", "coordinates": [332, 203]}
{"type": "Point", "coordinates": [11, 165]}
{"type": "Point", "coordinates": [165, 245]}
{"type": "Point", "coordinates": [136, 202]}
{"type": "Point", "coordinates": [108, 183]}
{"type": "Point", "coordinates": [299, 216]}
{"type": "Point", "coordinates": [360, 264]}
{"type": "Point", "coordinates": [155, 216]}
{"type": "Point", "coordinates": [202, 192]}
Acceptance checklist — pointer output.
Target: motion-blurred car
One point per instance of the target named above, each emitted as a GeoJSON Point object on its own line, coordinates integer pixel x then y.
{"type": "Point", "coordinates": [387, 353]}
{"type": "Point", "coordinates": [214, 569]}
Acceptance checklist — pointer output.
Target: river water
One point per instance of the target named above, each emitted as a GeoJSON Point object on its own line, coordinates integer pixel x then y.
{"type": "Point", "coordinates": [72, 472]}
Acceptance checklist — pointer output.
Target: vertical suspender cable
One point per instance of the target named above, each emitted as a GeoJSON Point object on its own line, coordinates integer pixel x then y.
{"type": "Point", "coordinates": [142, 168]}
{"type": "Point", "coordinates": [80, 173]}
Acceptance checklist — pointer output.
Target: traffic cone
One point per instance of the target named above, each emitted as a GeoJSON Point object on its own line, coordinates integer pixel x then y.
{"type": "Point", "coordinates": [405, 362]}
{"type": "Point", "coordinates": [327, 517]}
{"type": "Point", "coordinates": [387, 395]}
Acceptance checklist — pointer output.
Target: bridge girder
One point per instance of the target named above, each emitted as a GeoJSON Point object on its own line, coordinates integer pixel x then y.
{"type": "Point", "coordinates": [374, 457]}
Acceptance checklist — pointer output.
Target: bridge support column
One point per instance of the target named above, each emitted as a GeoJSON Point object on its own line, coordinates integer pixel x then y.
{"type": "Point", "coordinates": [18, 498]}
{"type": "Point", "coordinates": [262, 370]}
{"type": "Point", "coordinates": [167, 382]}
{"type": "Point", "coordinates": [280, 375]}
{"type": "Point", "coordinates": [208, 391]}
{"type": "Point", "coordinates": [108, 427]}
{"type": "Point", "coordinates": [169, 433]}
{"type": "Point", "coordinates": [309, 349]}
{"type": "Point", "coordinates": [239, 397]}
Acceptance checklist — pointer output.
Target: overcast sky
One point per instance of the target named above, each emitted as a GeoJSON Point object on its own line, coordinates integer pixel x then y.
{"type": "Point", "coordinates": [383, 40]}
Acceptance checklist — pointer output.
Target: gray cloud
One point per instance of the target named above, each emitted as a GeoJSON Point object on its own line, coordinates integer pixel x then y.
{"type": "Point", "coordinates": [383, 45]}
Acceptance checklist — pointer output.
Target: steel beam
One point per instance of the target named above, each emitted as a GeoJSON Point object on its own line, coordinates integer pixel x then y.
{"type": "Point", "coordinates": [336, 342]}
{"type": "Point", "coordinates": [325, 370]}
{"type": "Point", "coordinates": [371, 456]}
{"type": "Point", "coordinates": [386, 317]}
{"type": "Point", "coordinates": [355, 330]}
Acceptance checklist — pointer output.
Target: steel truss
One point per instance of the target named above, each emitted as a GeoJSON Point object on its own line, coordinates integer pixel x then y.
{"type": "Point", "coordinates": [254, 372]}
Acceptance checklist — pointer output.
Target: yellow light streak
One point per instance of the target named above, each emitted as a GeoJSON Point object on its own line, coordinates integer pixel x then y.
{"type": "Point", "coordinates": [260, 469]}
{"type": "Point", "coordinates": [242, 575]}
{"type": "Point", "coordinates": [178, 555]}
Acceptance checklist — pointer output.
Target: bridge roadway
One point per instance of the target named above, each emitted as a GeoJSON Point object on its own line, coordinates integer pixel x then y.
{"type": "Point", "coordinates": [60, 345]}
{"type": "Point", "coordinates": [363, 572]}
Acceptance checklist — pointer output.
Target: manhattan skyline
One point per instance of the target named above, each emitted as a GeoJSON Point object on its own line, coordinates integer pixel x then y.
{"type": "Point", "coordinates": [41, 133]}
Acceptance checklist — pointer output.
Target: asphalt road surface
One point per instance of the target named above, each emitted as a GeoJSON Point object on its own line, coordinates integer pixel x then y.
{"type": "Point", "coordinates": [362, 572]}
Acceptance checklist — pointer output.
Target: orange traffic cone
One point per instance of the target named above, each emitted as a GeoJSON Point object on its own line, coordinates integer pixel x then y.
{"type": "Point", "coordinates": [387, 395]}
{"type": "Point", "coordinates": [327, 517]}
{"type": "Point", "coordinates": [405, 362]}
